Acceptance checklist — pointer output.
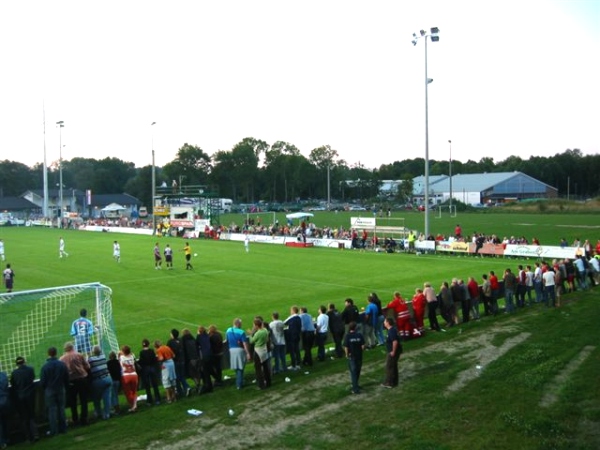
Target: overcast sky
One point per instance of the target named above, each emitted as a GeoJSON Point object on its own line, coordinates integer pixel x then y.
{"type": "Point", "coordinates": [519, 77]}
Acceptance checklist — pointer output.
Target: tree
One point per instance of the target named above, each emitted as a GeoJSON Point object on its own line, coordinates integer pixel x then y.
{"type": "Point", "coordinates": [15, 178]}
{"type": "Point", "coordinates": [190, 163]}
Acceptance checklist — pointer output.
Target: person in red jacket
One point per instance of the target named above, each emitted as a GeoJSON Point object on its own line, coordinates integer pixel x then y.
{"type": "Point", "coordinates": [473, 288]}
{"type": "Point", "coordinates": [418, 303]}
{"type": "Point", "coordinates": [402, 315]}
{"type": "Point", "coordinates": [495, 292]}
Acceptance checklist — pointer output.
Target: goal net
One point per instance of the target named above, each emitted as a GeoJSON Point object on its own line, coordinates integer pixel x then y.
{"type": "Point", "coordinates": [32, 321]}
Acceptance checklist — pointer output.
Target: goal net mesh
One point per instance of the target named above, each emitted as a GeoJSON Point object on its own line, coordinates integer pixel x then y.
{"type": "Point", "coordinates": [32, 321]}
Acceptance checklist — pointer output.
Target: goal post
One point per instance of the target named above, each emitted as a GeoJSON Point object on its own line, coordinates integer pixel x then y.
{"type": "Point", "coordinates": [32, 321]}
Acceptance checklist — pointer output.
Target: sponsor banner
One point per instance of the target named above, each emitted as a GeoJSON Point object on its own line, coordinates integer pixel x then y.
{"type": "Point", "coordinates": [362, 222]}
{"type": "Point", "coordinates": [542, 251]}
{"type": "Point", "coordinates": [488, 249]}
{"type": "Point", "coordinates": [424, 246]}
{"type": "Point", "coordinates": [161, 211]}
{"type": "Point", "coordinates": [181, 223]}
{"type": "Point", "coordinates": [124, 230]}
{"type": "Point", "coordinates": [454, 246]}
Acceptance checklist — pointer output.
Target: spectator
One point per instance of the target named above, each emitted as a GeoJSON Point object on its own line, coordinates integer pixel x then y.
{"type": "Point", "coordinates": [54, 379]}
{"type": "Point", "coordinates": [216, 351]}
{"type": "Point", "coordinates": [114, 368]}
{"type": "Point", "coordinates": [322, 328]}
{"type": "Point", "coordinates": [78, 369]}
{"type": "Point", "coordinates": [262, 367]}
{"type": "Point", "coordinates": [129, 380]}
{"type": "Point", "coordinates": [101, 383]}
{"type": "Point", "coordinates": [239, 351]}
{"type": "Point", "coordinates": [148, 363]}
{"type": "Point", "coordinates": [394, 349]}
{"type": "Point", "coordinates": [277, 330]}
{"type": "Point", "coordinates": [22, 380]}
{"type": "Point", "coordinates": [354, 344]}
{"type": "Point", "coordinates": [336, 327]}
{"type": "Point", "coordinates": [432, 305]}
{"type": "Point", "coordinates": [292, 337]}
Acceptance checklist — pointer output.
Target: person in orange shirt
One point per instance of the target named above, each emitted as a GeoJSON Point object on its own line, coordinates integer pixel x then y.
{"type": "Point", "coordinates": [165, 356]}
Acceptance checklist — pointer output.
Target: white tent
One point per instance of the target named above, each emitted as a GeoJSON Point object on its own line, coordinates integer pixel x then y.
{"type": "Point", "coordinates": [113, 207]}
{"type": "Point", "coordinates": [299, 215]}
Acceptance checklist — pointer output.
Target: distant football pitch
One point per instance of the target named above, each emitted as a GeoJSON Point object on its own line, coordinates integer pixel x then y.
{"type": "Point", "coordinates": [227, 282]}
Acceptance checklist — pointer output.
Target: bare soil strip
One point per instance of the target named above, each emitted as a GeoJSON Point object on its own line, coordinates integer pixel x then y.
{"type": "Point", "coordinates": [551, 392]}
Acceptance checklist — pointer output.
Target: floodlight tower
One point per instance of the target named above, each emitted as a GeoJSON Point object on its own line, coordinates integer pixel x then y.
{"type": "Point", "coordinates": [450, 175]}
{"type": "Point", "coordinates": [153, 179]}
{"type": "Point", "coordinates": [60, 125]}
{"type": "Point", "coordinates": [433, 34]}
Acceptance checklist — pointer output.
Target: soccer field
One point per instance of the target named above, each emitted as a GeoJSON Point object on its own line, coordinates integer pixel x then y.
{"type": "Point", "coordinates": [226, 282]}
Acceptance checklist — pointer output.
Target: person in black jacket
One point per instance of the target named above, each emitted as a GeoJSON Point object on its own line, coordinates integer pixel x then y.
{"type": "Point", "coordinates": [149, 364]}
{"type": "Point", "coordinates": [23, 389]}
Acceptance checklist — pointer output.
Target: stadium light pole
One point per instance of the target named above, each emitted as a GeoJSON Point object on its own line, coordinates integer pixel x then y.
{"type": "Point", "coordinates": [153, 179]}
{"type": "Point", "coordinates": [60, 125]}
{"type": "Point", "coordinates": [433, 34]}
{"type": "Point", "coordinates": [450, 174]}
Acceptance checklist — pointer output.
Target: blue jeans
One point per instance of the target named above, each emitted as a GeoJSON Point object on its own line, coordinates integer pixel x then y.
{"type": "Point", "coordinates": [508, 297]}
{"type": "Point", "coordinates": [239, 378]}
{"type": "Point", "coordinates": [56, 402]}
{"type": "Point", "coordinates": [379, 330]}
{"type": "Point", "coordinates": [114, 394]}
{"type": "Point", "coordinates": [549, 293]}
{"type": "Point", "coordinates": [101, 392]}
{"type": "Point", "coordinates": [279, 358]}
{"type": "Point", "coordinates": [182, 384]}
{"type": "Point", "coordinates": [539, 291]}
{"type": "Point", "coordinates": [355, 365]}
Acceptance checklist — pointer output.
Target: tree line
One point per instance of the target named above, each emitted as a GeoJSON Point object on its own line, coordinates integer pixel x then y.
{"type": "Point", "coordinates": [254, 170]}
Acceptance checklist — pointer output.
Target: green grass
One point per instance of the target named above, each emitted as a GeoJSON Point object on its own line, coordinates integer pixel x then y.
{"type": "Point", "coordinates": [499, 408]}
{"type": "Point", "coordinates": [548, 228]}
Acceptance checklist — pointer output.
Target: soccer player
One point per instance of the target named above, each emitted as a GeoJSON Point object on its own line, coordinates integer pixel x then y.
{"type": "Point", "coordinates": [117, 251]}
{"type": "Point", "coordinates": [169, 257]}
{"type": "Point", "coordinates": [8, 275]}
{"type": "Point", "coordinates": [61, 248]}
{"type": "Point", "coordinates": [82, 329]}
{"type": "Point", "coordinates": [247, 243]}
{"type": "Point", "coordinates": [157, 257]}
{"type": "Point", "coordinates": [2, 250]}
{"type": "Point", "coordinates": [188, 256]}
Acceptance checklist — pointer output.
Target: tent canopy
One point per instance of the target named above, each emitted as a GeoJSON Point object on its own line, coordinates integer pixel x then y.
{"type": "Point", "coordinates": [299, 215]}
{"type": "Point", "coordinates": [113, 207]}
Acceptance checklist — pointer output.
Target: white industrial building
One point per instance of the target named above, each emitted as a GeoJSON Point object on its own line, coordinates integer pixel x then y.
{"type": "Point", "coordinates": [482, 188]}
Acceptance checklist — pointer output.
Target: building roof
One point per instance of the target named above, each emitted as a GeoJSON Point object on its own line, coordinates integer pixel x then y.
{"type": "Point", "coordinates": [478, 182]}
{"type": "Point", "coordinates": [102, 200]}
{"type": "Point", "coordinates": [15, 204]}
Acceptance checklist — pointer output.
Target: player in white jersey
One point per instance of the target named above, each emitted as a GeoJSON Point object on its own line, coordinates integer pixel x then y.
{"type": "Point", "coordinates": [117, 251]}
{"type": "Point", "coordinates": [61, 248]}
{"type": "Point", "coordinates": [2, 250]}
{"type": "Point", "coordinates": [169, 257]}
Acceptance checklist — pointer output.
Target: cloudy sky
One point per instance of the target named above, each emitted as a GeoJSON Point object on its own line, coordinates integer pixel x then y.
{"type": "Point", "coordinates": [518, 77]}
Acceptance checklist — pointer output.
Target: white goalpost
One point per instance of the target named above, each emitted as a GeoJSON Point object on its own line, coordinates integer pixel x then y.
{"type": "Point", "coordinates": [32, 321]}
{"type": "Point", "coordinates": [258, 215]}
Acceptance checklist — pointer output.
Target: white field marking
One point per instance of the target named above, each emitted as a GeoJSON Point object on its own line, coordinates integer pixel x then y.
{"type": "Point", "coordinates": [552, 390]}
{"type": "Point", "coordinates": [482, 356]}
{"type": "Point", "coordinates": [579, 226]}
